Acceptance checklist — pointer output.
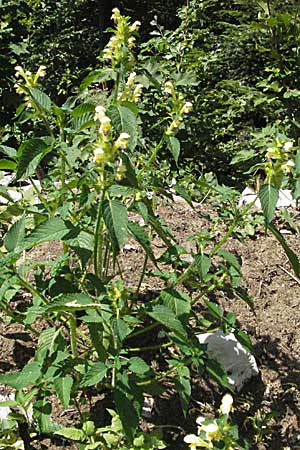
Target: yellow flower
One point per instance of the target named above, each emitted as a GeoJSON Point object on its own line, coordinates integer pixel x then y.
{"type": "Point", "coordinates": [288, 146]}
{"type": "Point", "coordinates": [271, 152]}
{"type": "Point", "coordinates": [115, 14]}
{"type": "Point", "coordinates": [195, 442]}
{"type": "Point", "coordinates": [131, 78]}
{"type": "Point", "coordinates": [99, 155]}
{"type": "Point", "coordinates": [131, 42]}
{"type": "Point", "coordinates": [287, 167]}
{"type": "Point", "coordinates": [137, 93]}
{"type": "Point", "coordinates": [105, 126]}
{"type": "Point", "coordinates": [212, 431]}
{"type": "Point", "coordinates": [122, 141]}
{"type": "Point", "coordinates": [226, 405]}
{"type": "Point", "coordinates": [100, 112]}
{"type": "Point", "coordinates": [169, 88]}
{"type": "Point", "coordinates": [187, 107]}
{"type": "Point", "coordinates": [135, 26]}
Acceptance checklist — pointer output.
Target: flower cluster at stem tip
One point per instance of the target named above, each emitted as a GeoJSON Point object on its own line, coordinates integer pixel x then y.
{"type": "Point", "coordinates": [118, 49]}
{"type": "Point", "coordinates": [279, 161]}
{"type": "Point", "coordinates": [132, 91]}
{"type": "Point", "coordinates": [179, 108]}
{"type": "Point", "coordinates": [26, 80]}
{"type": "Point", "coordinates": [211, 431]}
{"type": "Point", "coordinates": [106, 147]}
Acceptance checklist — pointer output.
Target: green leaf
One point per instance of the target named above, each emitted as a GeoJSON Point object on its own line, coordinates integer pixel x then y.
{"type": "Point", "coordinates": [142, 237]}
{"type": "Point", "coordinates": [217, 372]}
{"type": "Point", "coordinates": [7, 164]}
{"type": "Point", "coordinates": [94, 375]}
{"type": "Point", "coordinates": [293, 258]}
{"type": "Point", "coordinates": [232, 259]}
{"type": "Point", "coordinates": [174, 147]}
{"type": "Point", "coordinates": [116, 220]}
{"type": "Point", "coordinates": [8, 151]}
{"type": "Point", "coordinates": [203, 263]}
{"type": "Point", "coordinates": [53, 229]}
{"type": "Point", "coordinates": [47, 341]}
{"type": "Point", "coordinates": [40, 98]}
{"type": "Point", "coordinates": [183, 387]}
{"type": "Point", "coordinates": [63, 388]}
{"type": "Point", "coordinates": [30, 154]}
{"type": "Point", "coordinates": [268, 196]}
{"type": "Point", "coordinates": [177, 301]}
{"type": "Point", "coordinates": [97, 76]}
{"type": "Point", "coordinates": [83, 108]}
{"type": "Point", "coordinates": [128, 400]}
{"type": "Point", "coordinates": [215, 310]}
{"type": "Point", "coordinates": [14, 238]}
{"type": "Point", "coordinates": [74, 434]}
{"type": "Point", "coordinates": [167, 317]}
{"type": "Point", "coordinates": [244, 339]}
{"type": "Point", "coordinates": [138, 365]}
{"type": "Point", "coordinates": [124, 120]}
{"type": "Point", "coordinates": [27, 376]}
{"type": "Point", "coordinates": [70, 302]}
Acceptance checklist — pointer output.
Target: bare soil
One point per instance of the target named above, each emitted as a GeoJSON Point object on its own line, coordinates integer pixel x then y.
{"type": "Point", "coordinates": [273, 328]}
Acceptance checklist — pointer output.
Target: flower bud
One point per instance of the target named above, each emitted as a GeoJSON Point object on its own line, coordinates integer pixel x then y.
{"type": "Point", "coordinates": [105, 126]}
{"type": "Point", "coordinates": [131, 42]}
{"type": "Point", "coordinates": [131, 78]}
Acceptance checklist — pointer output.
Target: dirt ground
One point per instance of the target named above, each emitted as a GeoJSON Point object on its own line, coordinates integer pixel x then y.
{"type": "Point", "coordinates": [273, 328]}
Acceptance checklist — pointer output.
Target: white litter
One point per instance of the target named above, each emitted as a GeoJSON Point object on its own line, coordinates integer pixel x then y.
{"type": "Point", "coordinates": [285, 199]}
{"type": "Point", "coordinates": [238, 363]}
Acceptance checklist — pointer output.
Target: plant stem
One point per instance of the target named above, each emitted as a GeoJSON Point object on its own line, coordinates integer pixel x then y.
{"type": "Point", "coordinates": [72, 325]}
{"type": "Point", "coordinates": [152, 157]}
{"type": "Point", "coordinates": [142, 275]}
{"type": "Point", "coordinates": [143, 330]}
{"type": "Point", "coordinates": [149, 347]}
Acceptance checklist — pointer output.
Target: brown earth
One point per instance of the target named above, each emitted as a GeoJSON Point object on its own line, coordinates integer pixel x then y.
{"type": "Point", "coordinates": [273, 328]}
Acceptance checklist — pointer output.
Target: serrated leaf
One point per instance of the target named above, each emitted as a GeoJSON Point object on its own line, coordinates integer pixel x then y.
{"type": "Point", "coordinates": [30, 153]}
{"type": "Point", "coordinates": [203, 263]}
{"type": "Point", "coordinates": [214, 309]}
{"type": "Point", "coordinates": [63, 388]}
{"type": "Point", "coordinates": [97, 76]}
{"type": "Point", "coordinates": [70, 302]}
{"type": "Point", "coordinates": [14, 238]}
{"type": "Point", "coordinates": [167, 317]}
{"type": "Point", "coordinates": [244, 339]}
{"type": "Point", "coordinates": [42, 99]}
{"type": "Point", "coordinates": [142, 237]}
{"type": "Point", "coordinates": [177, 301]}
{"type": "Point", "coordinates": [53, 229]}
{"type": "Point", "coordinates": [27, 376]}
{"type": "Point", "coordinates": [123, 120]}
{"type": "Point", "coordinates": [218, 373]}
{"type": "Point", "coordinates": [268, 196]}
{"type": "Point", "coordinates": [47, 339]}
{"type": "Point", "coordinates": [83, 108]}
{"type": "Point", "coordinates": [232, 259]}
{"type": "Point", "coordinates": [138, 365]}
{"type": "Point", "coordinates": [174, 147]}
{"type": "Point", "coordinates": [94, 375]}
{"type": "Point", "coordinates": [116, 220]}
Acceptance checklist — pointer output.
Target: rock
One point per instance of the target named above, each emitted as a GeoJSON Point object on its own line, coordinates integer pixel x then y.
{"type": "Point", "coordinates": [238, 363]}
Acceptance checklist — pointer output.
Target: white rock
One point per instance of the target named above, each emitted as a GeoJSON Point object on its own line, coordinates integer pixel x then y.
{"type": "Point", "coordinates": [238, 363]}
